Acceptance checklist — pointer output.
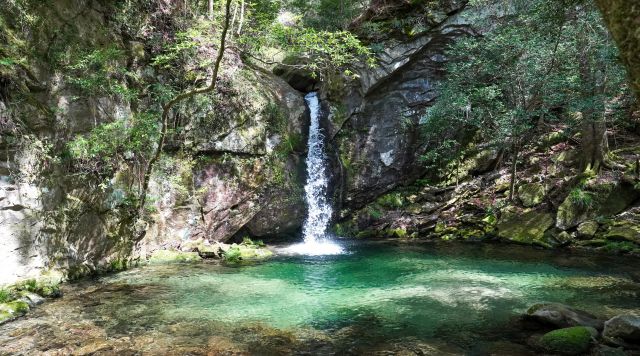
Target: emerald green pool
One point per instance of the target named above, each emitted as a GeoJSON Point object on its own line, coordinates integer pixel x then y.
{"type": "Point", "coordinates": [385, 298]}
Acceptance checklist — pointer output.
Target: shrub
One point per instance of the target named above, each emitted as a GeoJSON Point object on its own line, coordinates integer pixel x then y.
{"type": "Point", "coordinates": [5, 295]}
{"type": "Point", "coordinates": [233, 255]}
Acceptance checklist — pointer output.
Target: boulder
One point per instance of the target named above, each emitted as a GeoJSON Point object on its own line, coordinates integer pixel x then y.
{"type": "Point", "coordinates": [526, 227]}
{"type": "Point", "coordinates": [31, 299]}
{"type": "Point", "coordinates": [531, 194]}
{"type": "Point", "coordinates": [560, 315]}
{"type": "Point", "coordinates": [575, 340]}
{"type": "Point", "coordinates": [623, 330]}
{"type": "Point", "coordinates": [588, 229]}
{"type": "Point", "coordinates": [604, 350]}
{"type": "Point", "coordinates": [624, 231]}
{"type": "Point", "coordinates": [605, 200]}
{"type": "Point", "coordinates": [571, 214]}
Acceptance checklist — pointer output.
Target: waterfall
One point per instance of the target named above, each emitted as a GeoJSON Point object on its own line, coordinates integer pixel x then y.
{"type": "Point", "coordinates": [319, 211]}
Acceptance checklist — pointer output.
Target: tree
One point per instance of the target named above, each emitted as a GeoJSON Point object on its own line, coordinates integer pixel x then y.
{"type": "Point", "coordinates": [504, 84]}
{"type": "Point", "coordinates": [169, 105]}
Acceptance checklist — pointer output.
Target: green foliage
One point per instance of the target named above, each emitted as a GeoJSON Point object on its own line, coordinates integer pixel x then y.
{"type": "Point", "coordinates": [43, 288]}
{"type": "Point", "coordinates": [109, 143]}
{"type": "Point", "coordinates": [374, 212]}
{"type": "Point", "coordinates": [185, 46]}
{"type": "Point", "coordinates": [233, 255]}
{"type": "Point", "coordinates": [100, 71]}
{"type": "Point", "coordinates": [502, 85]}
{"type": "Point", "coordinates": [582, 199]}
{"type": "Point", "coordinates": [391, 200]}
{"type": "Point", "coordinates": [620, 247]}
{"type": "Point", "coordinates": [5, 295]}
{"type": "Point", "coordinates": [327, 14]}
{"type": "Point", "coordinates": [325, 51]}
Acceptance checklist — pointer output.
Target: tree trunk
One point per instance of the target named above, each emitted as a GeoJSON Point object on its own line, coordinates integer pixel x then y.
{"type": "Point", "coordinates": [210, 8]}
{"type": "Point", "coordinates": [593, 145]}
{"type": "Point", "coordinates": [514, 171]}
{"type": "Point", "coordinates": [623, 20]}
{"type": "Point", "coordinates": [241, 22]}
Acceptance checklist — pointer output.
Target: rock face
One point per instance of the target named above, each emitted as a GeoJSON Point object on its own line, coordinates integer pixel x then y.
{"type": "Point", "coordinates": [245, 145]}
{"type": "Point", "coordinates": [623, 330]}
{"type": "Point", "coordinates": [235, 184]}
{"type": "Point", "coordinates": [562, 316]}
{"type": "Point", "coordinates": [376, 119]}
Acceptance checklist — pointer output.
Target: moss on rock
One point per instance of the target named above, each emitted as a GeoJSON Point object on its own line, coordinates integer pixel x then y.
{"type": "Point", "coordinates": [624, 231]}
{"type": "Point", "coordinates": [526, 227]}
{"type": "Point", "coordinates": [568, 341]}
{"type": "Point", "coordinates": [531, 194]}
{"type": "Point", "coordinates": [12, 309]}
{"type": "Point", "coordinates": [168, 256]}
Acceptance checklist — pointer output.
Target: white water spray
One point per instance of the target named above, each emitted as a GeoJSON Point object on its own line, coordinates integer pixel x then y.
{"type": "Point", "coordinates": [316, 241]}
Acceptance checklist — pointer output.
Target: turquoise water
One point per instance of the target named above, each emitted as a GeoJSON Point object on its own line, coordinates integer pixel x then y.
{"type": "Point", "coordinates": [377, 298]}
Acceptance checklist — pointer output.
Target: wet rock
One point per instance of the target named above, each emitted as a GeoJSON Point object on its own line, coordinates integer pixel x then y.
{"type": "Point", "coordinates": [560, 315]}
{"type": "Point", "coordinates": [32, 299]}
{"type": "Point", "coordinates": [568, 341]}
{"type": "Point", "coordinates": [531, 194]}
{"type": "Point", "coordinates": [623, 330]}
{"type": "Point", "coordinates": [526, 227]}
{"type": "Point", "coordinates": [604, 350]}
{"type": "Point", "coordinates": [168, 256]}
{"type": "Point", "coordinates": [588, 229]}
{"type": "Point", "coordinates": [502, 348]}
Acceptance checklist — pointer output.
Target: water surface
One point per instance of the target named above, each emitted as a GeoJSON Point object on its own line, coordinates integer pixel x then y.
{"type": "Point", "coordinates": [379, 298]}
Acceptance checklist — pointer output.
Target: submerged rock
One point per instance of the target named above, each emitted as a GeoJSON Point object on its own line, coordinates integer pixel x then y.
{"type": "Point", "coordinates": [623, 330]}
{"type": "Point", "coordinates": [560, 315]}
{"type": "Point", "coordinates": [568, 341]}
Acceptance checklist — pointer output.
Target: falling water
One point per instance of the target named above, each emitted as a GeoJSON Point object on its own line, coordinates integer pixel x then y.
{"type": "Point", "coordinates": [316, 241]}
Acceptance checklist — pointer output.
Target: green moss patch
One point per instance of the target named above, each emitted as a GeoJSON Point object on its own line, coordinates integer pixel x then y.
{"type": "Point", "coordinates": [168, 256]}
{"type": "Point", "coordinates": [568, 341]}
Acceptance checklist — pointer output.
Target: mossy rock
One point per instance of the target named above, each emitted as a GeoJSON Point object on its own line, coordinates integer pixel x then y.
{"type": "Point", "coordinates": [169, 256]}
{"type": "Point", "coordinates": [531, 194]}
{"type": "Point", "coordinates": [569, 341]}
{"type": "Point", "coordinates": [527, 227]}
{"type": "Point", "coordinates": [10, 310]}
{"type": "Point", "coordinates": [254, 252]}
{"type": "Point", "coordinates": [43, 287]}
{"type": "Point", "coordinates": [624, 231]}
{"type": "Point", "coordinates": [606, 200]}
{"type": "Point", "coordinates": [551, 139]}
{"type": "Point", "coordinates": [246, 253]}
{"type": "Point", "coordinates": [566, 157]}
{"type": "Point", "coordinates": [571, 214]}
{"type": "Point", "coordinates": [588, 229]}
